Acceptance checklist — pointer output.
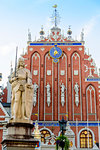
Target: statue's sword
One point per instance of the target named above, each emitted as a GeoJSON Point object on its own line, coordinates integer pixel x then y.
{"type": "Point", "coordinates": [16, 60]}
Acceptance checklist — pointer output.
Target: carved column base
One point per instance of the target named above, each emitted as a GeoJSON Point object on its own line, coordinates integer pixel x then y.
{"type": "Point", "coordinates": [19, 137]}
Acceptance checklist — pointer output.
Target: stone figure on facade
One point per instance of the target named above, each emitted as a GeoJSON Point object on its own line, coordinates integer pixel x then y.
{"type": "Point", "coordinates": [48, 94]}
{"type": "Point", "coordinates": [35, 86]}
{"type": "Point", "coordinates": [37, 133]}
{"type": "Point", "coordinates": [62, 93]}
{"type": "Point", "coordinates": [22, 92]}
{"type": "Point", "coordinates": [76, 88]}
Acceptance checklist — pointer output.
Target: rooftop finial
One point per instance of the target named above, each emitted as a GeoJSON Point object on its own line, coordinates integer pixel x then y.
{"type": "Point", "coordinates": [29, 35]}
{"type": "Point", "coordinates": [82, 35]}
{"type": "Point", "coordinates": [42, 33]}
{"type": "Point", "coordinates": [69, 32]}
{"type": "Point", "coordinates": [55, 17]}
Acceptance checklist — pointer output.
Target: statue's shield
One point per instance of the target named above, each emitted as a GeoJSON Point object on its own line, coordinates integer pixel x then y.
{"type": "Point", "coordinates": [28, 100]}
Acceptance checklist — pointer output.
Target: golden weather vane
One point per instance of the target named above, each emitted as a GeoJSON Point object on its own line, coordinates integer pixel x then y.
{"type": "Point", "coordinates": [55, 17]}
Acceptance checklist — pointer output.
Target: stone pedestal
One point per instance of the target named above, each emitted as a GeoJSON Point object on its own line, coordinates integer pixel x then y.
{"type": "Point", "coordinates": [19, 137]}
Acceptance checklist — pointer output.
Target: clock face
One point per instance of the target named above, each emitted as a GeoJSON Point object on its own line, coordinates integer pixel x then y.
{"type": "Point", "coordinates": [55, 52]}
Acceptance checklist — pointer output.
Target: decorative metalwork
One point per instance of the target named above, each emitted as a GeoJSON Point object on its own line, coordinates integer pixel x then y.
{"type": "Point", "coordinates": [55, 53]}
{"type": "Point", "coordinates": [55, 17]}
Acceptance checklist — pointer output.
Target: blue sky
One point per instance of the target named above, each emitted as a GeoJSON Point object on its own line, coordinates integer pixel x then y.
{"type": "Point", "coordinates": [16, 16]}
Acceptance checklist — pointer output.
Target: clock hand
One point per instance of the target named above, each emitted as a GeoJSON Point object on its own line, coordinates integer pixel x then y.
{"type": "Point", "coordinates": [55, 52]}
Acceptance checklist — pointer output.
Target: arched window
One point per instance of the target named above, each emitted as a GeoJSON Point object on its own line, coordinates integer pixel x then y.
{"type": "Point", "coordinates": [44, 134]}
{"type": "Point", "coordinates": [86, 139]}
{"type": "Point", "coordinates": [91, 103]}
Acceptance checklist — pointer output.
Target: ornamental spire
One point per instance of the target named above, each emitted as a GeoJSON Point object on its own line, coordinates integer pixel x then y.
{"type": "Point", "coordinates": [55, 17]}
{"type": "Point", "coordinates": [29, 35]}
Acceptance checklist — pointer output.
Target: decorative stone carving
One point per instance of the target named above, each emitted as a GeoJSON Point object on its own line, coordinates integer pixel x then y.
{"type": "Point", "coordinates": [22, 93]}
{"type": "Point", "coordinates": [48, 72]}
{"type": "Point", "coordinates": [62, 72]}
{"type": "Point", "coordinates": [80, 49]}
{"type": "Point", "coordinates": [71, 136]}
{"type": "Point", "coordinates": [51, 139]}
{"type": "Point", "coordinates": [69, 48]}
{"type": "Point", "coordinates": [48, 94]}
{"type": "Point", "coordinates": [62, 93]}
{"type": "Point", "coordinates": [37, 133]}
{"type": "Point", "coordinates": [76, 88]}
{"type": "Point", "coordinates": [35, 86]}
{"type": "Point", "coordinates": [31, 49]}
{"type": "Point", "coordinates": [76, 72]}
{"type": "Point", "coordinates": [35, 72]}
{"type": "Point", "coordinates": [42, 48]}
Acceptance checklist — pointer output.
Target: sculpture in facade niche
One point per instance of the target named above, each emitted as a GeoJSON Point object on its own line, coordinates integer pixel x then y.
{"type": "Point", "coordinates": [37, 133]}
{"type": "Point", "coordinates": [76, 88]}
{"type": "Point", "coordinates": [22, 92]}
{"type": "Point", "coordinates": [35, 94]}
{"type": "Point", "coordinates": [48, 94]}
{"type": "Point", "coordinates": [62, 93]}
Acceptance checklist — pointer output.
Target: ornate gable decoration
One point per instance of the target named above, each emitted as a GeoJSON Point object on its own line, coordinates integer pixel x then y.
{"type": "Point", "coordinates": [55, 52]}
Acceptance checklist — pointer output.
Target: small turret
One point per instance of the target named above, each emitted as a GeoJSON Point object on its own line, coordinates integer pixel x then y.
{"type": "Point", "coordinates": [82, 36]}
{"type": "Point", "coordinates": [69, 32]}
{"type": "Point", "coordinates": [29, 36]}
{"type": "Point", "coordinates": [42, 33]}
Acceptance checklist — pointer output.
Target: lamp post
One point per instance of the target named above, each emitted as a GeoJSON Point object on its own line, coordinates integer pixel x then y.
{"type": "Point", "coordinates": [62, 124]}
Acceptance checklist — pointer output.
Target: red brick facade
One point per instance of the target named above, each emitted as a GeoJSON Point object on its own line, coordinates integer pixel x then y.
{"type": "Point", "coordinates": [73, 67]}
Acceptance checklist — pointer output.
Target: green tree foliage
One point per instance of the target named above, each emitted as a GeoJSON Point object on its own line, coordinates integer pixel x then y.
{"type": "Point", "coordinates": [62, 141]}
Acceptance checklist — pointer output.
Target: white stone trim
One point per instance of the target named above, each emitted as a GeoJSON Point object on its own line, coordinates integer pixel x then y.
{"type": "Point", "coordinates": [46, 129]}
{"type": "Point", "coordinates": [91, 100]}
{"type": "Point", "coordinates": [66, 90]}
{"type": "Point", "coordinates": [79, 85]}
{"type": "Point", "coordinates": [72, 88]}
{"type": "Point", "coordinates": [52, 87]}
{"type": "Point", "coordinates": [66, 85]}
{"type": "Point", "coordinates": [78, 136]}
{"type": "Point", "coordinates": [38, 55]}
{"type": "Point", "coordinates": [44, 84]}
{"type": "Point", "coordinates": [3, 109]}
{"type": "Point", "coordinates": [39, 89]}
{"type": "Point", "coordinates": [58, 93]}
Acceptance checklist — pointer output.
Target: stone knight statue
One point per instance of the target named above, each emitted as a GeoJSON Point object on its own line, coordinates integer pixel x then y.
{"type": "Point", "coordinates": [76, 88]}
{"type": "Point", "coordinates": [48, 94]}
{"type": "Point", "coordinates": [22, 92]}
{"type": "Point", "coordinates": [62, 93]}
{"type": "Point", "coordinates": [35, 86]}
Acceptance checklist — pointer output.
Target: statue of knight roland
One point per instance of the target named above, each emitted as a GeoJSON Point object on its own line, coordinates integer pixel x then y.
{"type": "Point", "coordinates": [22, 92]}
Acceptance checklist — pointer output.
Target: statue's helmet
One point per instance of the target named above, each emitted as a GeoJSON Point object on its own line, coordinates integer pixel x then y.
{"type": "Point", "coordinates": [21, 62]}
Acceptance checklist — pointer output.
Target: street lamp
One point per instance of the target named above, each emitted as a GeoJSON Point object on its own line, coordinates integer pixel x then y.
{"type": "Point", "coordinates": [62, 124]}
